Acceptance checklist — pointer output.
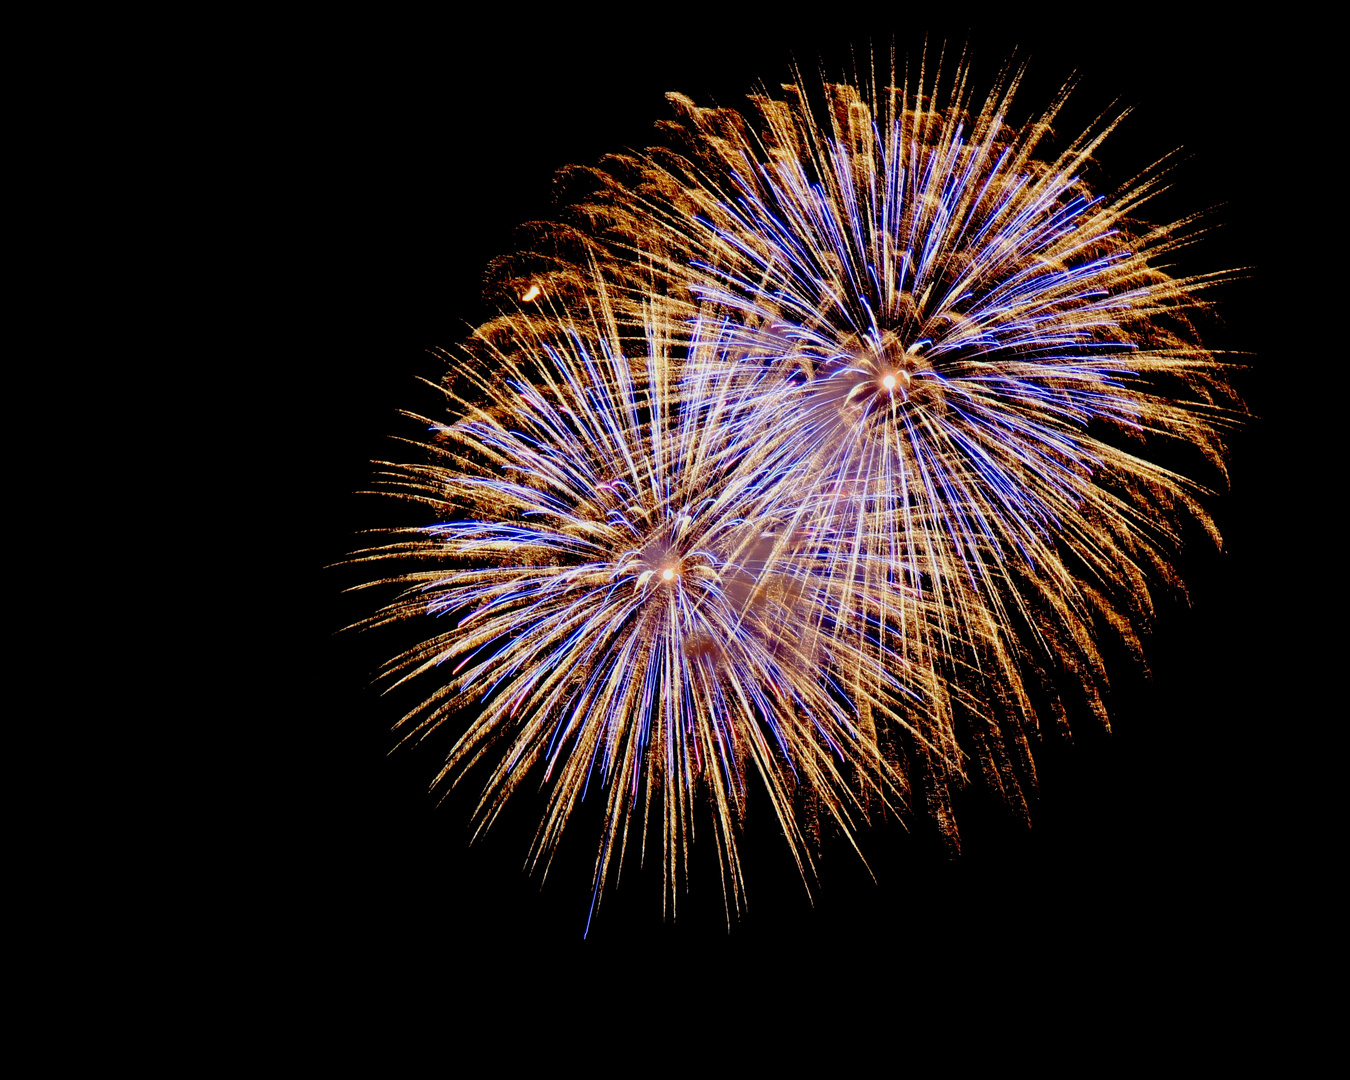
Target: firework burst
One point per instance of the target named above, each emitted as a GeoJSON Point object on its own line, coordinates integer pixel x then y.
{"type": "Point", "coordinates": [600, 572]}
{"type": "Point", "coordinates": [814, 446]}
{"type": "Point", "coordinates": [962, 353]}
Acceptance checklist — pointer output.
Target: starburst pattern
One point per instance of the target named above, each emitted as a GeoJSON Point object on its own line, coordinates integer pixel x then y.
{"type": "Point", "coordinates": [601, 576]}
{"type": "Point", "coordinates": [813, 444]}
{"type": "Point", "coordinates": [961, 350]}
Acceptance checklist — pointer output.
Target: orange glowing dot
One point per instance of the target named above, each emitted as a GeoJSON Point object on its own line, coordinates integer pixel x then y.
{"type": "Point", "coordinates": [533, 293]}
{"type": "Point", "coordinates": [667, 574]}
{"type": "Point", "coordinates": [888, 382]}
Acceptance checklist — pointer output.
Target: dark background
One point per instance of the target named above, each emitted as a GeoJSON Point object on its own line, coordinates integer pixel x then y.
{"type": "Point", "coordinates": [421, 147]}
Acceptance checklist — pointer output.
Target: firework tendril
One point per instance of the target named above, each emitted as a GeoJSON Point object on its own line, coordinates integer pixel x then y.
{"type": "Point", "coordinates": [813, 444]}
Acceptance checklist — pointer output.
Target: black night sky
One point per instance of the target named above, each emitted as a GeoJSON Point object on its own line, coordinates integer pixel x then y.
{"type": "Point", "coordinates": [425, 147]}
